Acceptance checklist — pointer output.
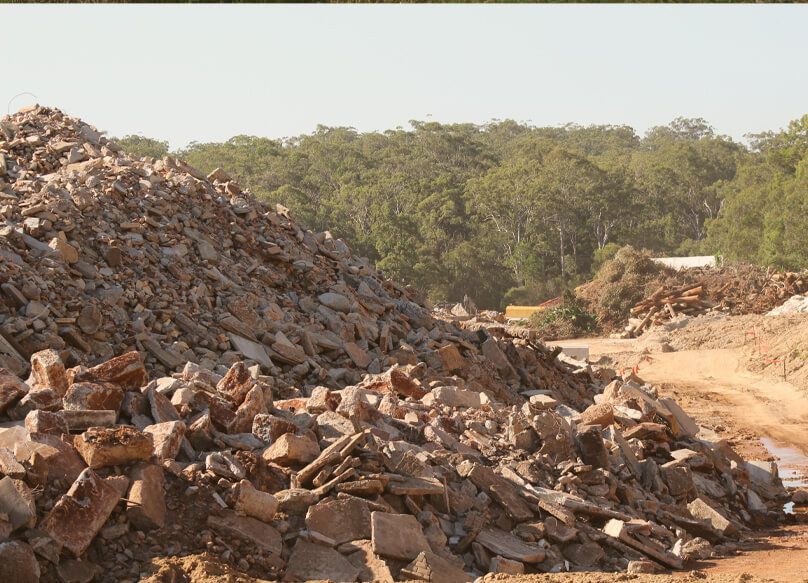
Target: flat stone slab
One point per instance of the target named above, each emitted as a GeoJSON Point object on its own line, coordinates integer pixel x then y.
{"type": "Point", "coordinates": [78, 515]}
{"type": "Point", "coordinates": [503, 543]}
{"type": "Point", "coordinates": [313, 562]}
{"type": "Point", "coordinates": [398, 536]}
{"type": "Point", "coordinates": [254, 531]}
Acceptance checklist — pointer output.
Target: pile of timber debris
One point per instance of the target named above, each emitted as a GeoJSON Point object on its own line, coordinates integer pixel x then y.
{"type": "Point", "coordinates": [306, 418]}
{"type": "Point", "coordinates": [737, 289]}
{"type": "Point", "coordinates": [741, 288]}
{"type": "Point", "coordinates": [667, 303]}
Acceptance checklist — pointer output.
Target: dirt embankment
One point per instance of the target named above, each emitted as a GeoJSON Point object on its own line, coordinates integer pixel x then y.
{"type": "Point", "coordinates": [775, 347]}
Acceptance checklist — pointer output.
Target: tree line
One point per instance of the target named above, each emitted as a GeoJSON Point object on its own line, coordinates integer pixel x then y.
{"type": "Point", "coordinates": [510, 213]}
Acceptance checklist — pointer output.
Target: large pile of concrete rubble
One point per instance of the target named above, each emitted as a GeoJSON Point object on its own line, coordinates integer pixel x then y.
{"type": "Point", "coordinates": [187, 371]}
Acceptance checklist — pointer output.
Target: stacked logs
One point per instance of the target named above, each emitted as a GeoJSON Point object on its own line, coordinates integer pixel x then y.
{"type": "Point", "coordinates": [666, 303]}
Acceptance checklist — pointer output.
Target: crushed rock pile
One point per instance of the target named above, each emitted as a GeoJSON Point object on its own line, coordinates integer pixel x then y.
{"type": "Point", "coordinates": [101, 253]}
{"type": "Point", "coordinates": [244, 388]}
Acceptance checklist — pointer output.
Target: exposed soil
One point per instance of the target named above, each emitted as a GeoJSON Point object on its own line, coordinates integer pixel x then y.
{"type": "Point", "coordinates": [693, 576]}
{"type": "Point", "coordinates": [196, 568]}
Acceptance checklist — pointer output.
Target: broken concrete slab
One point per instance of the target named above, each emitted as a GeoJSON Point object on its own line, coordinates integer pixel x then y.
{"type": "Point", "coordinates": [82, 420]}
{"type": "Point", "coordinates": [500, 564]}
{"type": "Point", "coordinates": [48, 371]}
{"type": "Point", "coordinates": [414, 486]}
{"type": "Point", "coordinates": [433, 568]}
{"type": "Point", "coordinates": [617, 529]}
{"type": "Point", "coordinates": [17, 503]}
{"type": "Point", "coordinates": [371, 567]}
{"type": "Point", "coordinates": [18, 563]}
{"type": "Point", "coordinates": [255, 503]}
{"type": "Point", "coordinates": [12, 389]}
{"type": "Point", "coordinates": [701, 510]}
{"type": "Point", "coordinates": [251, 350]}
{"type": "Point", "coordinates": [86, 396]}
{"type": "Point", "coordinates": [45, 422]}
{"type": "Point", "coordinates": [167, 438]}
{"type": "Point", "coordinates": [290, 449]}
{"type": "Point", "coordinates": [126, 371]}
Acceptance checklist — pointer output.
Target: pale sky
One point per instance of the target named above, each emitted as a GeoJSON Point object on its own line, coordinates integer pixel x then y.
{"type": "Point", "coordinates": [206, 73]}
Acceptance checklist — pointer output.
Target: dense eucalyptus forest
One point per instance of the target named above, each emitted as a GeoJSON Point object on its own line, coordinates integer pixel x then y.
{"type": "Point", "coordinates": [510, 213]}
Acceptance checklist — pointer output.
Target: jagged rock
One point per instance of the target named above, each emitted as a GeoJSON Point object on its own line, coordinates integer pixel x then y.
{"type": "Point", "coordinates": [18, 562]}
{"type": "Point", "coordinates": [81, 513]}
{"type": "Point", "coordinates": [103, 447]}
{"type": "Point", "coordinates": [291, 449]}
{"type": "Point", "coordinates": [146, 505]}
{"type": "Point", "coordinates": [255, 503]}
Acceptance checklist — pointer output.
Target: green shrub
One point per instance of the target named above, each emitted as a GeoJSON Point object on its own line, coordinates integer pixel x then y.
{"type": "Point", "coordinates": [566, 320]}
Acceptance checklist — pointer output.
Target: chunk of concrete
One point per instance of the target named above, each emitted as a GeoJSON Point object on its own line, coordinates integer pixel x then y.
{"type": "Point", "coordinates": [252, 405]}
{"type": "Point", "coordinates": [9, 466]}
{"type": "Point", "coordinates": [45, 422]}
{"type": "Point", "coordinates": [451, 358]}
{"type": "Point", "coordinates": [12, 389]}
{"type": "Point", "coordinates": [82, 420]}
{"type": "Point", "coordinates": [48, 371]}
{"type": "Point", "coordinates": [93, 397]}
{"type": "Point", "coordinates": [50, 456]}
{"type": "Point", "coordinates": [500, 564]}
{"type": "Point", "coordinates": [167, 438]}
{"type": "Point", "coordinates": [617, 529]}
{"type": "Point", "coordinates": [455, 397]}
{"type": "Point", "coordinates": [600, 414]}
{"type": "Point", "coordinates": [703, 511]}
{"type": "Point", "coordinates": [505, 544]}
{"type": "Point", "coordinates": [290, 449]}
{"type": "Point", "coordinates": [295, 501]}
{"type": "Point", "coordinates": [433, 568]}
{"type": "Point", "coordinates": [126, 371]}
{"type": "Point", "coordinates": [17, 503]}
